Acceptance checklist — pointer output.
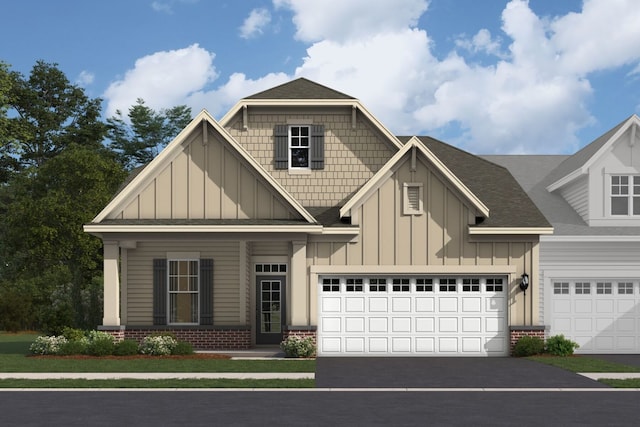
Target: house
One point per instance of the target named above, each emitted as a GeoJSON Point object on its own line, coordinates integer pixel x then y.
{"type": "Point", "coordinates": [299, 213]}
{"type": "Point", "coordinates": [590, 267]}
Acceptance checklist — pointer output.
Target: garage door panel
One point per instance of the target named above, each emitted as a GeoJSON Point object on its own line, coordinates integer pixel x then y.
{"type": "Point", "coordinates": [583, 306]}
{"type": "Point", "coordinates": [398, 317]}
{"type": "Point", "coordinates": [626, 306]}
{"type": "Point", "coordinates": [626, 324]}
{"type": "Point", "coordinates": [561, 306]}
{"type": "Point", "coordinates": [583, 324]}
{"type": "Point", "coordinates": [604, 306]}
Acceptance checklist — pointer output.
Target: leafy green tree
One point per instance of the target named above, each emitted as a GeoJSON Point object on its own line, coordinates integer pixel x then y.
{"type": "Point", "coordinates": [146, 132]}
{"type": "Point", "coordinates": [47, 114]}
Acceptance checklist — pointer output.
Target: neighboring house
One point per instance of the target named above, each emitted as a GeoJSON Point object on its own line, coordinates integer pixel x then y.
{"type": "Point", "coordinates": [299, 213]}
{"type": "Point", "coordinates": [590, 266]}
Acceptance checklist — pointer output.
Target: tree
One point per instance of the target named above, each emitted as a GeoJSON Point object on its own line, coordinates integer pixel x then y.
{"type": "Point", "coordinates": [49, 114]}
{"type": "Point", "coordinates": [149, 132]}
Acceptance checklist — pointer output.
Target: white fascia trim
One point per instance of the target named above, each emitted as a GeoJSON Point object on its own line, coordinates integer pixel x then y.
{"type": "Point", "coordinates": [479, 231]}
{"type": "Point", "coordinates": [331, 231]}
{"type": "Point", "coordinates": [110, 228]}
{"type": "Point", "coordinates": [413, 269]}
{"type": "Point", "coordinates": [566, 179]}
{"type": "Point", "coordinates": [586, 239]}
{"type": "Point", "coordinates": [224, 121]}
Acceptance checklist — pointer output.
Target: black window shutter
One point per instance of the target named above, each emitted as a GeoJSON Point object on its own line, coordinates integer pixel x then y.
{"type": "Point", "coordinates": [159, 291]}
{"type": "Point", "coordinates": [317, 147]}
{"type": "Point", "coordinates": [281, 146]}
{"type": "Point", "coordinates": [206, 291]}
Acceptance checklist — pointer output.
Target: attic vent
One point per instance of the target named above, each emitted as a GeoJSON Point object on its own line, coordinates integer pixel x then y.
{"type": "Point", "coordinates": [412, 198]}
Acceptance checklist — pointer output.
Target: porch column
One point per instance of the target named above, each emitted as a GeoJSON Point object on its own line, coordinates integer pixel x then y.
{"type": "Point", "coordinates": [111, 298]}
{"type": "Point", "coordinates": [299, 305]}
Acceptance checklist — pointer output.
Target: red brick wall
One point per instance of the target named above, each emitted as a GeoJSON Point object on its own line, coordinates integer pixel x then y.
{"type": "Point", "coordinates": [517, 332]}
{"type": "Point", "coordinates": [302, 333]}
{"type": "Point", "coordinates": [201, 339]}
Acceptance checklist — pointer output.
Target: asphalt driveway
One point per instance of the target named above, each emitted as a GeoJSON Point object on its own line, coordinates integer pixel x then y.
{"type": "Point", "coordinates": [444, 372]}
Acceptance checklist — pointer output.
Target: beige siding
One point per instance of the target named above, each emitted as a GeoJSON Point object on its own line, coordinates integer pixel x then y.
{"type": "Point", "coordinates": [352, 156]}
{"type": "Point", "coordinates": [439, 237]}
{"type": "Point", "coordinates": [270, 248]}
{"type": "Point", "coordinates": [207, 182]}
{"type": "Point", "coordinates": [226, 299]}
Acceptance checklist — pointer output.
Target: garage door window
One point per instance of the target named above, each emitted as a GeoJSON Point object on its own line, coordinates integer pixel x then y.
{"type": "Point", "coordinates": [583, 288]}
{"type": "Point", "coordinates": [561, 288]}
{"type": "Point", "coordinates": [625, 288]}
{"type": "Point", "coordinates": [447, 285]}
{"type": "Point", "coordinates": [494, 285]}
{"type": "Point", "coordinates": [424, 285]}
{"type": "Point", "coordinates": [354, 285]}
{"type": "Point", "coordinates": [377, 285]}
{"type": "Point", "coordinates": [330, 285]}
{"type": "Point", "coordinates": [603, 288]}
{"type": "Point", "coordinates": [470, 285]}
{"type": "Point", "coordinates": [401, 285]}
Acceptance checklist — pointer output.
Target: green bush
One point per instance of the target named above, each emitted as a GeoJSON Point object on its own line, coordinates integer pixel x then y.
{"type": "Point", "coordinates": [528, 346]}
{"type": "Point", "coordinates": [100, 343]}
{"type": "Point", "coordinates": [182, 348]}
{"type": "Point", "coordinates": [294, 346]}
{"type": "Point", "coordinates": [15, 309]}
{"type": "Point", "coordinates": [126, 348]}
{"type": "Point", "coordinates": [158, 345]}
{"type": "Point", "coordinates": [73, 334]}
{"type": "Point", "coordinates": [78, 346]}
{"type": "Point", "coordinates": [47, 345]}
{"type": "Point", "coordinates": [558, 345]}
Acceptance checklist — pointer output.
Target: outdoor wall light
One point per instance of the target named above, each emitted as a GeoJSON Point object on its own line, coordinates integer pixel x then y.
{"type": "Point", "coordinates": [524, 282]}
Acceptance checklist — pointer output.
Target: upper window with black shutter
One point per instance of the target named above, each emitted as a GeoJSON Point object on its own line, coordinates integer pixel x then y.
{"type": "Point", "coordinates": [299, 147]}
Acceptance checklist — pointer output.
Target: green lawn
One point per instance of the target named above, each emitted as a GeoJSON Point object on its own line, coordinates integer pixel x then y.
{"type": "Point", "coordinates": [174, 383]}
{"type": "Point", "coordinates": [628, 383]}
{"type": "Point", "coordinates": [14, 349]}
{"type": "Point", "coordinates": [584, 364]}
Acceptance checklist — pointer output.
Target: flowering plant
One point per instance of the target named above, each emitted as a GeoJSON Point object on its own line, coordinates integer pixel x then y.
{"type": "Point", "coordinates": [294, 346]}
{"type": "Point", "coordinates": [47, 345]}
{"type": "Point", "coordinates": [158, 345]}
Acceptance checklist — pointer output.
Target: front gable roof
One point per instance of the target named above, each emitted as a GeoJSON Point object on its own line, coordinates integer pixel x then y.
{"type": "Point", "coordinates": [385, 172]}
{"type": "Point", "coordinates": [173, 150]}
{"type": "Point", "coordinates": [579, 163]}
{"type": "Point", "coordinates": [300, 89]}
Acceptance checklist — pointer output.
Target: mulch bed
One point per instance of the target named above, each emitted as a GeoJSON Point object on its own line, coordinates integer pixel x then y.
{"type": "Point", "coordinates": [136, 357]}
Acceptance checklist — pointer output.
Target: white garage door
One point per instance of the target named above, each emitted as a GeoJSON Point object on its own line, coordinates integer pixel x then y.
{"type": "Point", "coordinates": [412, 316]}
{"type": "Point", "coordinates": [600, 315]}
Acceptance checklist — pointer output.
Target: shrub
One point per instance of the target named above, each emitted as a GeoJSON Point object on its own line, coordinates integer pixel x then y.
{"type": "Point", "coordinates": [528, 346]}
{"type": "Point", "coordinates": [126, 348]}
{"type": "Point", "coordinates": [73, 334]}
{"type": "Point", "coordinates": [558, 345]}
{"type": "Point", "coordinates": [158, 345]}
{"type": "Point", "coordinates": [100, 343]}
{"type": "Point", "coordinates": [47, 345]}
{"type": "Point", "coordinates": [183, 348]}
{"type": "Point", "coordinates": [74, 347]}
{"type": "Point", "coordinates": [294, 346]}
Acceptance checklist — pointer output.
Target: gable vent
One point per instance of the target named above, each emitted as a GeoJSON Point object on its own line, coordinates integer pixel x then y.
{"type": "Point", "coordinates": [412, 198]}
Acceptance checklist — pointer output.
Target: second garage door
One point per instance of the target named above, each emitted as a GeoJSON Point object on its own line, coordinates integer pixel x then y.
{"type": "Point", "coordinates": [412, 316]}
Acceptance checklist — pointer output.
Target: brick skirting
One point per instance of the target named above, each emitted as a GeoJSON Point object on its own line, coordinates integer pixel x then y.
{"type": "Point", "coordinates": [201, 339]}
{"type": "Point", "coordinates": [515, 332]}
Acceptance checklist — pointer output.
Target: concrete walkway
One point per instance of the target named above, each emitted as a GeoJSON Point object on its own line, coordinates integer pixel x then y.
{"type": "Point", "coordinates": [156, 375]}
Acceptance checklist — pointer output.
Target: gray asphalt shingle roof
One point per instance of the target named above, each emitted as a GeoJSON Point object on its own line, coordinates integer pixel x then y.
{"type": "Point", "coordinates": [508, 203]}
{"type": "Point", "coordinates": [300, 89]}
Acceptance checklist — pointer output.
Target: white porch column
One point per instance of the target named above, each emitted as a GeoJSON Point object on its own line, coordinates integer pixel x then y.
{"type": "Point", "coordinates": [111, 301]}
{"type": "Point", "coordinates": [299, 304]}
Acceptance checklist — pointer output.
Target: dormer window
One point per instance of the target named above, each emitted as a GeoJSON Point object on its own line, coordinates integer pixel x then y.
{"type": "Point", "coordinates": [625, 195]}
{"type": "Point", "coordinates": [299, 147]}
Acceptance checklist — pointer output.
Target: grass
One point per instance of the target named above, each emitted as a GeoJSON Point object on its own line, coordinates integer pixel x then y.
{"type": "Point", "coordinates": [14, 349]}
{"type": "Point", "coordinates": [584, 364]}
{"type": "Point", "coordinates": [173, 383]}
{"type": "Point", "coordinates": [628, 383]}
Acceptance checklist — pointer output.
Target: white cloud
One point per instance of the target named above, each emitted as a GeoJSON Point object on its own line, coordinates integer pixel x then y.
{"type": "Point", "coordinates": [481, 42]}
{"type": "Point", "coordinates": [166, 6]}
{"type": "Point", "coordinates": [341, 21]}
{"type": "Point", "coordinates": [255, 23]}
{"type": "Point", "coordinates": [85, 78]}
{"type": "Point", "coordinates": [163, 79]}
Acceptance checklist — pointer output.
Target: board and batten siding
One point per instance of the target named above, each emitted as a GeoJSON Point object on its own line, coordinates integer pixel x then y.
{"type": "Point", "coordinates": [577, 195]}
{"type": "Point", "coordinates": [439, 237]}
{"type": "Point", "coordinates": [207, 182]}
{"type": "Point", "coordinates": [351, 156]}
{"type": "Point", "coordinates": [226, 273]}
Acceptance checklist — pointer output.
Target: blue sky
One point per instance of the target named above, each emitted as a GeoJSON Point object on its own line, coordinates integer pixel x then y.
{"type": "Point", "coordinates": [491, 76]}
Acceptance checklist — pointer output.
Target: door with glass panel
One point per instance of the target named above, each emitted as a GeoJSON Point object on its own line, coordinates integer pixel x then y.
{"type": "Point", "coordinates": [270, 309]}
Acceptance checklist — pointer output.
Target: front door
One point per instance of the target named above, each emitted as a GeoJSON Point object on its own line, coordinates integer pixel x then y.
{"type": "Point", "coordinates": [270, 309]}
